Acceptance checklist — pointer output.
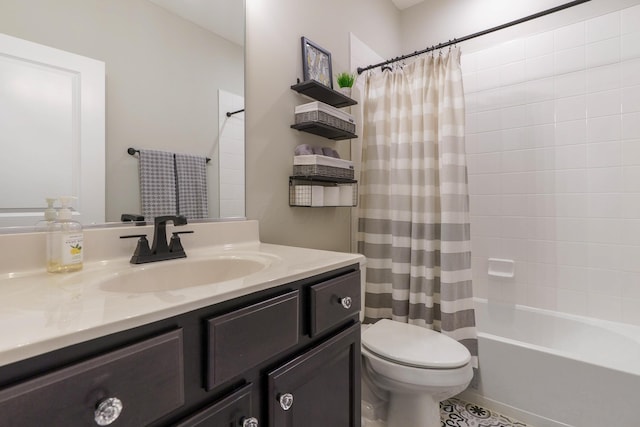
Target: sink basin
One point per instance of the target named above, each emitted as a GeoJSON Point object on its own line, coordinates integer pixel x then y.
{"type": "Point", "coordinates": [180, 274]}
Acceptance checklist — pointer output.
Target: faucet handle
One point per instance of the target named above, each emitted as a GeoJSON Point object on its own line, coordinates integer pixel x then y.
{"type": "Point", "coordinates": [175, 245]}
{"type": "Point", "coordinates": [142, 250]}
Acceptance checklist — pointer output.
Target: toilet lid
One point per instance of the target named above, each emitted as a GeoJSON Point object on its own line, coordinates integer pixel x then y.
{"type": "Point", "coordinates": [414, 345]}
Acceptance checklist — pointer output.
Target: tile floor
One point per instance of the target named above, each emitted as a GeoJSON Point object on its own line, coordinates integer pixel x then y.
{"type": "Point", "coordinates": [457, 413]}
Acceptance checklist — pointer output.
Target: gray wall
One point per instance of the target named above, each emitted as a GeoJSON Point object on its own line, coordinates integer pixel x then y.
{"type": "Point", "coordinates": [273, 63]}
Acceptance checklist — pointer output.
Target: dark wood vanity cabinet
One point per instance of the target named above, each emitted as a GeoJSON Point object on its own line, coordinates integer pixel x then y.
{"type": "Point", "coordinates": [286, 356]}
{"type": "Point", "coordinates": [320, 388]}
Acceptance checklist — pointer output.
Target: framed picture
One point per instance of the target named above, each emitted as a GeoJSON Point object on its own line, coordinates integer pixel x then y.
{"type": "Point", "coordinates": [316, 63]}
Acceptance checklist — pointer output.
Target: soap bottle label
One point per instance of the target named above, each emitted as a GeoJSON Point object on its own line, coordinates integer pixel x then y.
{"type": "Point", "coordinates": [72, 248]}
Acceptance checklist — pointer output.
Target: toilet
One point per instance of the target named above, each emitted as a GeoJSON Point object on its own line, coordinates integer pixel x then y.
{"type": "Point", "coordinates": [418, 367]}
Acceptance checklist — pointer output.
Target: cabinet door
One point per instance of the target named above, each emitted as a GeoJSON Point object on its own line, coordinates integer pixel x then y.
{"type": "Point", "coordinates": [234, 410]}
{"type": "Point", "coordinates": [320, 388]}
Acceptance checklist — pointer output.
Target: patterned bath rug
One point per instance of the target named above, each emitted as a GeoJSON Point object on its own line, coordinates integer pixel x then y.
{"type": "Point", "coordinates": [458, 413]}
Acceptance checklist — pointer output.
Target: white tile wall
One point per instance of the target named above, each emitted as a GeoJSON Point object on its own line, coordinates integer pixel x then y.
{"type": "Point", "coordinates": [553, 149]}
{"type": "Point", "coordinates": [231, 144]}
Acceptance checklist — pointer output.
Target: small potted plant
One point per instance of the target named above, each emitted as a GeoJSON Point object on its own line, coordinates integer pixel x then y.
{"type": "Point", "coordinates": [345, 82]}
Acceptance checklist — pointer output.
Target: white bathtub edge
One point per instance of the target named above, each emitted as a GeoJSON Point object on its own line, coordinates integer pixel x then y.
{"type": "Point", "coordinates": [627, 329]}
{"type": "Point", "coordinates": [531, 419]}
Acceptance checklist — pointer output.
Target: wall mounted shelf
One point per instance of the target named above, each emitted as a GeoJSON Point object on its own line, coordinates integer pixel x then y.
{"type": "Point", "coordinates": [323, 191]}
{"type": "Point", "coordinates": [321, 129]}
{"type": "Point", "coordinates": [325, 94]}
{"type": "Point", "coordinates": [322, 93]}
{"type": "Point", "coordinates": [320, 191]}
{"type": "Point", "coordinates": [322, 179]}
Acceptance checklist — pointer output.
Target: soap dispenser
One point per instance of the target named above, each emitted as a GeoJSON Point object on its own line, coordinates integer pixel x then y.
{"type": "Point", "coordinates": [65, 241]}
{"type": "Point", "coordinates": [50, 216]}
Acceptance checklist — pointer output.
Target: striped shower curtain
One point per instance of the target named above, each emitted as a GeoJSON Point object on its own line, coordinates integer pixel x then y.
{"type": "Point", "coordinates": [413, 220]}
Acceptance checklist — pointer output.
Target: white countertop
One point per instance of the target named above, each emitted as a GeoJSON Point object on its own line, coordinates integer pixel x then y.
{"type": "Point", "coordinates": [40, 311]}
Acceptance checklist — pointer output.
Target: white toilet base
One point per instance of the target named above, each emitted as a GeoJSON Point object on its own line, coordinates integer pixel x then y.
{"type": "Point", "coordinates": [413, 410]}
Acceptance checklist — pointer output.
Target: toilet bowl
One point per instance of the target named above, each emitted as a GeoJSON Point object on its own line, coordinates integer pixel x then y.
{"type": "Point", "coordinates": [418, 367]}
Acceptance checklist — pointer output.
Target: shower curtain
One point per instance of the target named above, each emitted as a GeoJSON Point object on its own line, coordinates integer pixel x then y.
{"type": "Point", "coordinates": [413, 219]}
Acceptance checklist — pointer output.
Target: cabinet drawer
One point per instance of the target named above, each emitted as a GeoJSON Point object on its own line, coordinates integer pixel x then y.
{"type": "Point", "coordinates": [244, 338]}
{"type": "Point", "coordinates": [147, 378]}
{"type": "Point", "coordinates": [232, 410]}
{"type": "Point", "coordinates": [334, 301]}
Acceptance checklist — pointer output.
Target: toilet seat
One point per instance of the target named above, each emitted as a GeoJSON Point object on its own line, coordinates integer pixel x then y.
{"type": "Point", "coordinates": [393, 376]}
{"type": "Point", "coordinates": [414, 346]}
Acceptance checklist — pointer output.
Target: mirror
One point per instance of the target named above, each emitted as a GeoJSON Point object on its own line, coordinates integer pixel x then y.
{"type": "Point", "coordinates": [169, 83]}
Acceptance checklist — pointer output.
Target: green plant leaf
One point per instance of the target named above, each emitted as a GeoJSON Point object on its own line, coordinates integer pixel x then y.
{"type": "Point", "coordinates": [345, 79]}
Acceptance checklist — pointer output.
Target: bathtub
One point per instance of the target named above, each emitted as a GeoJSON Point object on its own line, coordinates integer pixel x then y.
{"type": "Point", "coordinates": [552, 369]}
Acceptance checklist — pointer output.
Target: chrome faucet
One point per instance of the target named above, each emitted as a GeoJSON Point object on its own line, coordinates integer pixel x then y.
{"type": "Point", "coordinates": [160, 250]}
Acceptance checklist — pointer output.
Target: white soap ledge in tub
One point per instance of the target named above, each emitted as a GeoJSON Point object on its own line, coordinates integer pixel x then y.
{"type": "Point", "coordinates": [499, 267]}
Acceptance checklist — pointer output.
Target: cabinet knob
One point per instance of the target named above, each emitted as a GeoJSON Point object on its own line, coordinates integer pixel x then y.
{"type": "Point", "coordinates": [107, 411]}
{"type": "Point", "coordinates": [346, 302]}
{"type": "Point", "coordinates": [249, 422]}
{"type": "Point", "coordinates": [286, 401]}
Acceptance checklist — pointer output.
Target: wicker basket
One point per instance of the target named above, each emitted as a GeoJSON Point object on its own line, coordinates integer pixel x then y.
{"type": "Point", "coordinates": [322, 170]}
{"type": "Point", "coordinates": [327, 119]}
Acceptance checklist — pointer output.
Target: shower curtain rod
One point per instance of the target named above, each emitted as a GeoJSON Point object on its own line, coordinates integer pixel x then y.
{"type": "Point", "coordinates": [474, 35]}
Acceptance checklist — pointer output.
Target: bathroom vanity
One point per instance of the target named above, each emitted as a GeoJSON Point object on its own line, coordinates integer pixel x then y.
{"type": "Point", "coordinates": [278, 347]}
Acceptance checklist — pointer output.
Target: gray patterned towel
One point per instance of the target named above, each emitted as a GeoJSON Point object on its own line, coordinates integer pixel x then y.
{"type": "Point", "coordinates": [191, 172]}
{"type": "Point", "coordinates": [157, 183]}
